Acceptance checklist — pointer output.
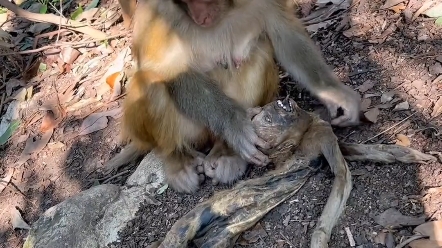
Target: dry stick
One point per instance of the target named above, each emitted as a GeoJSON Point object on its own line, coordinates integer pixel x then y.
{"type": "Point", "coordinates": [73, 44]}
{"type": "Point", "coordinates": [388, 129]}
{"type": "Point", "coordinates": [51, 18]}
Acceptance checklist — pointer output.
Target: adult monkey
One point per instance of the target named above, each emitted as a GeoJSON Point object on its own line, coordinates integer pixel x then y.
{"type": "Point", "coordinates": [200, 65]}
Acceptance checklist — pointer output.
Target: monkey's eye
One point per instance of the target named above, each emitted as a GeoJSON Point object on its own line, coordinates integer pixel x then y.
{"type": "Point", "coordinates": [268, 119]}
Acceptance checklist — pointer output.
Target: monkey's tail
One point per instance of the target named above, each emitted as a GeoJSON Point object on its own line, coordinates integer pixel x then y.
{"type": "Point", "coordinates": [128, 154]}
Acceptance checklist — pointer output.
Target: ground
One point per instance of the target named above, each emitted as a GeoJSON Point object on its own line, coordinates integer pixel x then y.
{"type": "Point", "coordinates": [373, 50]}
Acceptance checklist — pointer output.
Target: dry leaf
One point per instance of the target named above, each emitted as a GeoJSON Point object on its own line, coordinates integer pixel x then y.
{"type": "Point", "coordinates": [5, 181]}
{"type": "Point", "coordinates": [372, 115]}
{"type": "Point", "coordinates": [11, 84]}
{"type": "Point", "coordinates": [110, 80]}
{"type": "Point", "coordinates": [69, 55]}
{"type": "Point", "coordinates": [56, 145]}
{"type": "Point", "coordinates": [366, 86]}
{"type": "Point", "coordinates": [437, 109]}
{"type": "Point", "coordinates": [402, 140]}
{"type": "Point", "coordinates": [368, 95]}
{"type": "Point", "coordinates": [384, 106]}
{"type": "Point", "coordinates": [313, 28]}
{"type": "Point", "coordinates": [392, 218]}
{"type": "Point", "coordinates": [253, 235]}
{"type": "Point", "coordinates": [435, 11]}
{"type": "Point", "coordinates": [398, 8]}
{"type": "Point", "coordinates": [422, 9]}
{"type": "Point", "coordinates": [402, 106]}
{"type": "Point", "coordinates": [391, 3]}
{"type": "Point", "coordinates": [34, 146]}
{"type": "Point", "coordinates": [425, 243]}
{"type": "Point", "coordinates": [31, 71]}
{"type": "Point", "coordinates": [48, 121]}
{"type": "Point", "coordinates": [387, 96]}
{"type": "Point", "coordinates": [93, 125]}
{"type": "Point", "coordinates": [380, 238]}
{"type": "Point", "coordinates": [432, 229]}
{"type": "Point", "coordinates": [17, 220]}
{"type": "Point", "coordinates": [365, 104]}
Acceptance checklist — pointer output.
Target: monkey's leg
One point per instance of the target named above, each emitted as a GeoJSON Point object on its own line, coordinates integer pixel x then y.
{"type": "Point", "coordinates": [181, 171]}
{"type": "Point", "coordinates": [223, 165]}
{"type": "Point", "coordinates": [383, 153]}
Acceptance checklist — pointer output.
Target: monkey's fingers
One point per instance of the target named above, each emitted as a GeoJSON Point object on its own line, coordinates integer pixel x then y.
{"type": "Point", "coordinates": [251, 112]}
{"type": "Point", "coordinates": [347, 119]}
{"type": "Point", "coordinates": [255, 156]}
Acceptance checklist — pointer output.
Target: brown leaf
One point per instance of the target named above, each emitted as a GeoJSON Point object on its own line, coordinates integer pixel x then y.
{"type": "Point", "coordinates": [110, 80]}
{"type": "Point", "coordinates": [366, 86]}
{"type": "Point", "coordinates": [69, 55]}
{"type": "Point", "coordinates": [380, 238]}
{"type": "Point", "coordinates": [387, 96]}
{"type": "Point", "coordinates": [398, 8]}
{"type": "Point", "coordinates": [365, 104]}
{"type": "Point", "coordinates": [423, 8]}
{"type": "Point", "coordinates": [425, 243]}
{"type": "Point", "coordinates": [432, 229]}
{"type": "Point", "coordinates": [402, 140]}
{"type": "Point", "coordinates": [402, 106]}
{"type": "Point", "coordinates": [93, 123]}
{"type": "Point", "coordinates": [392, 218]}
{"type": "Point", "coordinates": [34, 146]}
{"type": "Point", "coordinates": [372, 115]}
{"type": "Point", "coordinates": [31, 71]}
{"type": "Point", "coordinates": [48, 121]}
{"type": "Point", "coordinates": [253, 235]}
{"type": "Point", "coordinates": [384, 106]}
{"type": "Point", "coordinates": [391, 3]}
{"type": "Point", "coordinates": [437, 109]}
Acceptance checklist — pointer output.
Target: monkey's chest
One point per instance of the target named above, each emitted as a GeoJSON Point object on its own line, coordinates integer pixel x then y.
{"type": "Point", "coordinates": [228, 54]}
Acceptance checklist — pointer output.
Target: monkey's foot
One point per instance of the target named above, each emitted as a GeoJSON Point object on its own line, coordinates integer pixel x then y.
{"type": "Point", "coordinates": [186, 179]}
{"type": "Point", "coordinates": [225, 169]}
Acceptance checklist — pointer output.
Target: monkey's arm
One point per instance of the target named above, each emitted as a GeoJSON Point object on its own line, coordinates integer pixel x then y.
{"type": "Point", "coordinates": [383, 153]}
{"type": "Point", "coordinates": [199, 98]}
{"type": "Point", "coordinates": [302, 59]}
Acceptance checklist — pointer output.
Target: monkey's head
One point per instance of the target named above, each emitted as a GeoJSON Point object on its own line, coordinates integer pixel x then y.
{"type": "Point", "coordinates": [280, 121]}
{"type": "Point", "coordinates": [205, 13]}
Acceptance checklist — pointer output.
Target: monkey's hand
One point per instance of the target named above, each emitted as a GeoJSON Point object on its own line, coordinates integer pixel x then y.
{"type": "Point", "coordinates": [346, 99]}
{"type": "Point", "coordinates": [244, 140]}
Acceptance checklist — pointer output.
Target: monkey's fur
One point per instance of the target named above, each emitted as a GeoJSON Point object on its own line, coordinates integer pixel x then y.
{"type": "Point", "coordinates": [299, 140]}
{"type": "Point", "coordinates": [200, 65]}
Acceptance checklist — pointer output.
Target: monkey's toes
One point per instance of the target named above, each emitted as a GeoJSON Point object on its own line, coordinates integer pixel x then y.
{"type": "Point", "coordinates": [209, 168]}
{"type": "Point", "coordinates": [229, 169]}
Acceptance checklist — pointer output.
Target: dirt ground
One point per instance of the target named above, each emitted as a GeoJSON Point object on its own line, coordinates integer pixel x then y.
{"type": "Point", "coordinates": [373, 61]}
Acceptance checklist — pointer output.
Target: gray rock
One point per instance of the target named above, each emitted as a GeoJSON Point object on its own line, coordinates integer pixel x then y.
{"type": "Point", "coordinates": [94, 217]}
{"type": "Point", "coordinates": [72, 222]}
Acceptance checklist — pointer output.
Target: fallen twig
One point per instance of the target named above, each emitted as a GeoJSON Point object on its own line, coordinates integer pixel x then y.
{"type": "Point", "coordinates": [51, 18]}
{"type": "Point", "coordinates": [71, 44]}
{"type": "Point", "coordinates": [388, 129]}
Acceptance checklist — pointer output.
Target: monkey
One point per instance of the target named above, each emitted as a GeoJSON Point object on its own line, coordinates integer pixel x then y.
{"type": "Point", "coordinates": [201, 65]}
{"type": "Point", "coordinates": [300, 144]}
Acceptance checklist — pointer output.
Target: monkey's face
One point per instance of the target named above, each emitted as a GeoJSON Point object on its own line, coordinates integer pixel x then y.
{"type": "Point", "coordinates": [205, 13]}
{"type": "Point", "coordinates": [281, 120]}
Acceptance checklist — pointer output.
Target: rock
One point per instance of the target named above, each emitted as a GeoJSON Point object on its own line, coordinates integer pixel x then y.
{"type": "Point", "coordinates": [94, 217]}
{"type": "Point", "coordinates": [72, 222]}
